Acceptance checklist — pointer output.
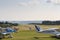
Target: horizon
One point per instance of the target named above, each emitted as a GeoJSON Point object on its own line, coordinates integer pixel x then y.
{"type": "Point", "coordinates": [29, 20]}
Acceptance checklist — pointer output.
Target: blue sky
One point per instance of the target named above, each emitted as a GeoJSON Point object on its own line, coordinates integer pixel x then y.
{"type": "Point", "coordinates": [29, 10]}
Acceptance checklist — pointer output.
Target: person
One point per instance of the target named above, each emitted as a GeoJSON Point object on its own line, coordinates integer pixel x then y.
{"type": "Point", "coordinates": [16, 29]}
{"type": "Point", "coordinates": [1, 35]}
{"type": "Point", "coordinates": [29, 28]}
{"type": "Point", "coordinates": [10, 36]}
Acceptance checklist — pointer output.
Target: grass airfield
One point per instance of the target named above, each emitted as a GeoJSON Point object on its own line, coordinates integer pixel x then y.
{"type": "Point", "coordinates": [25, 34]}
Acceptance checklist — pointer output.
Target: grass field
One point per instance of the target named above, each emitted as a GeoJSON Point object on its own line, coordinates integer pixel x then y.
{"type": "Point", "coordinates": [25, 34]}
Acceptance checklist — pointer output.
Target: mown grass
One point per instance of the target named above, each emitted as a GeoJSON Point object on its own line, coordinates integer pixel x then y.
{"type": "Point", "coordinates": [31, 34]}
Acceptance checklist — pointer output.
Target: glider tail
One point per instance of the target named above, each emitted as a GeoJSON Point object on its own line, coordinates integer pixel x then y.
{"type": "Point", "coordinates": [38, 28]}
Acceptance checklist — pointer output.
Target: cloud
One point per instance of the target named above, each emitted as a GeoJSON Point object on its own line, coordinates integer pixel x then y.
{"type": "Point", "coordinates": [56, 2]}
{"type": "Point", "coordinates": [30, 3]}
{"type": "Point", "coordinates": [23, 4]}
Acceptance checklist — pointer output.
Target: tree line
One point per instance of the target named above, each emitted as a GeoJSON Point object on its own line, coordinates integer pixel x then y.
{"type": "Point", "coordinates": [51, 22]}
{"type": "Point", "coordinates": [48, 23]}
{"type": "Point", "coordinates": [7, 24]}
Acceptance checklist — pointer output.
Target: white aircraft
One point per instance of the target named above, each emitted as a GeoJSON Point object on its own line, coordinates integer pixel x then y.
{"type": "Point", "coordinates": [49, 31]}
{"type": "Point", "coordinates": [6, 31]}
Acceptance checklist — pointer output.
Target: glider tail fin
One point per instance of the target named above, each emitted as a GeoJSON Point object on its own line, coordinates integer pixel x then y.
{"type": "Point", "coordinates": [39, 29]}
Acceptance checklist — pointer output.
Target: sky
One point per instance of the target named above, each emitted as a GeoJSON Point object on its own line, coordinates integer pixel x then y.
{"type": "Point", "coordinates": [21, 10]}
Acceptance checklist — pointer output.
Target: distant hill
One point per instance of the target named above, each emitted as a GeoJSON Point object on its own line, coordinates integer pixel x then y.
{"type": "Point", "coordinates": [26, 22]}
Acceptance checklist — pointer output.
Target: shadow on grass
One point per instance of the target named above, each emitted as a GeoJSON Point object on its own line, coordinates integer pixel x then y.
{"type": "Point", "coordinates": [36, 37]}
{"type": "Point", "coordinates": [0, 38]}
{"type": "Point", "coordinates": [49, 38]}
{"type": "Point", "coordinates": [55, 37]}
{"type": "Point", "coordinates": [40, 38]}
